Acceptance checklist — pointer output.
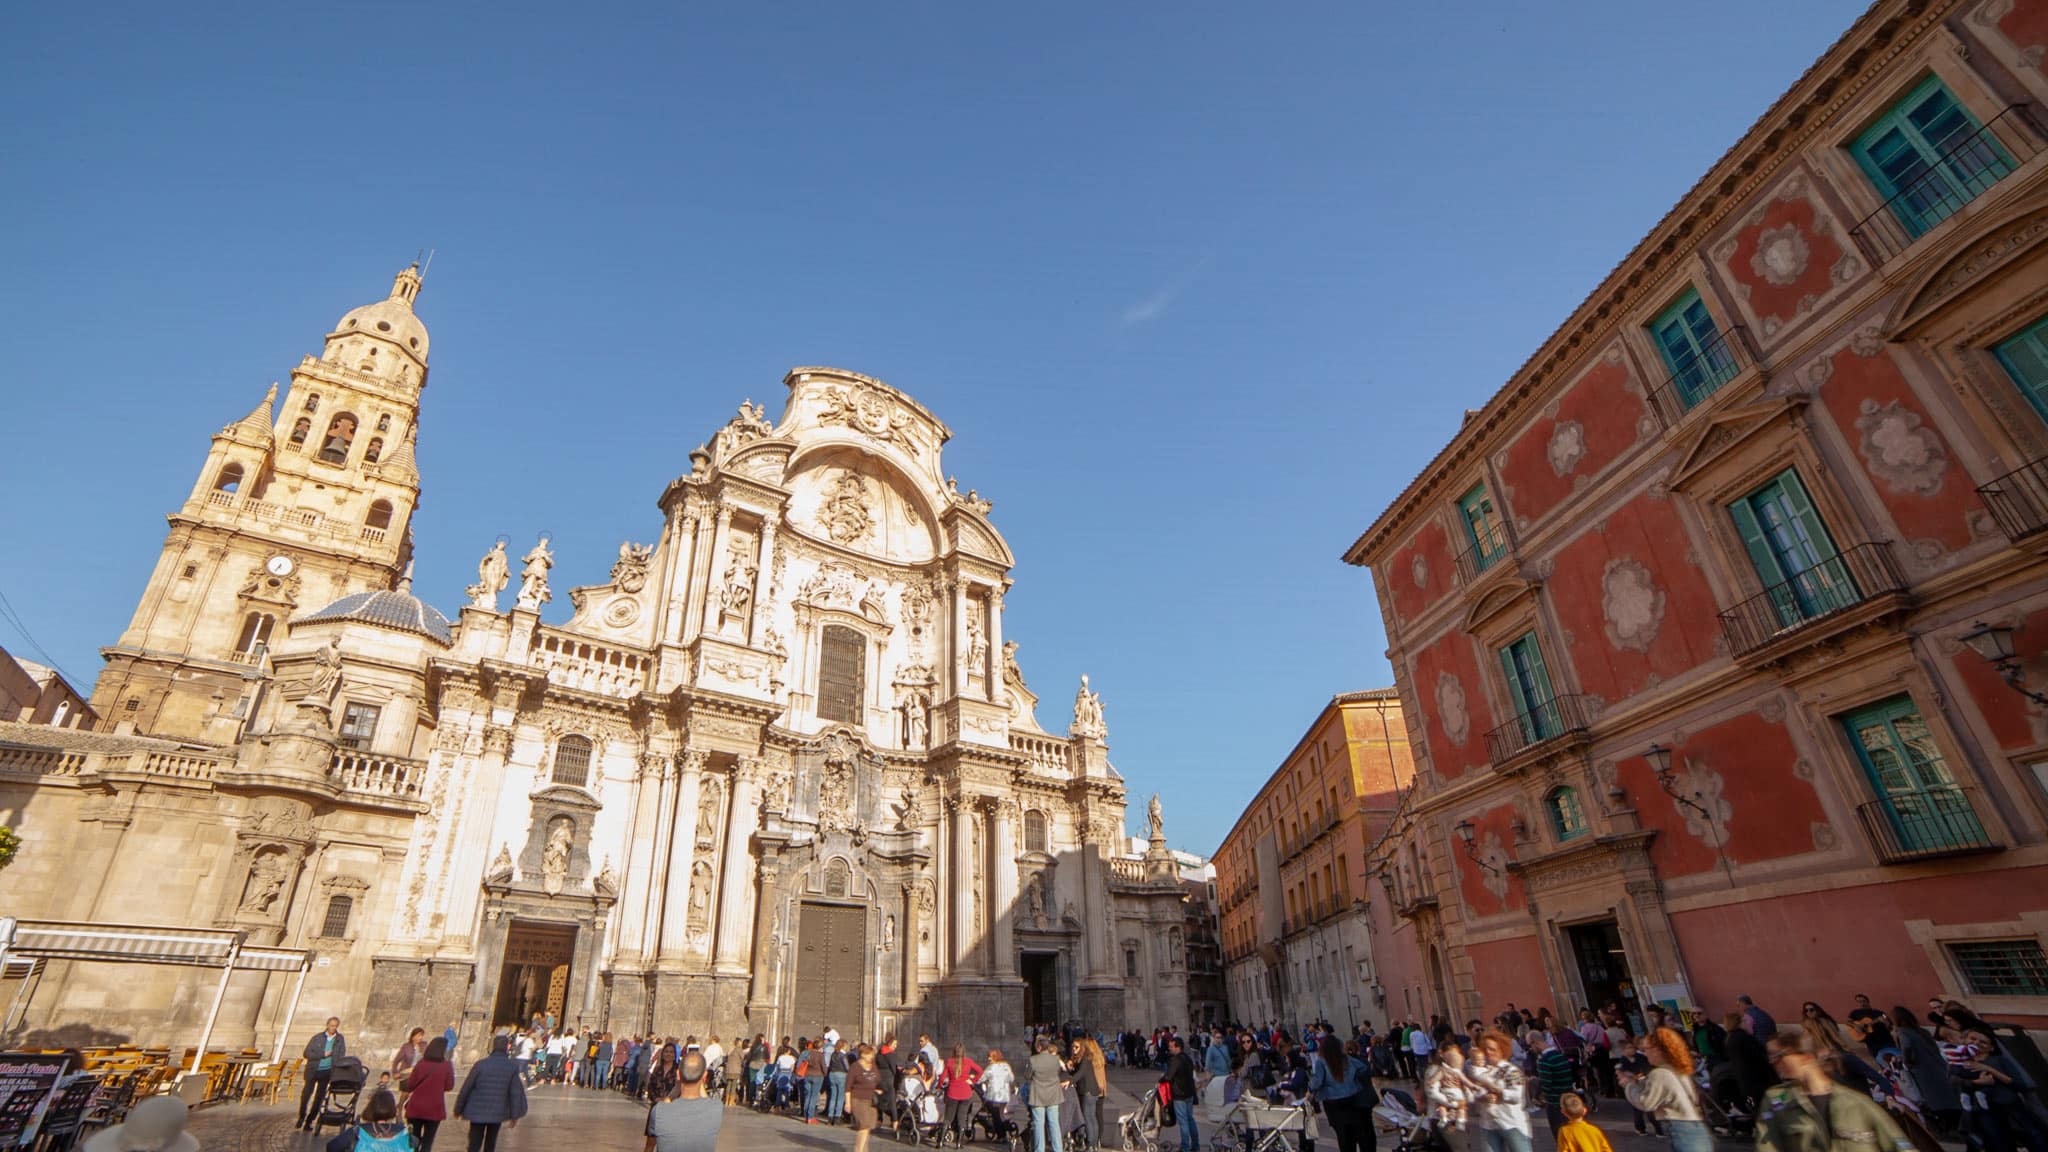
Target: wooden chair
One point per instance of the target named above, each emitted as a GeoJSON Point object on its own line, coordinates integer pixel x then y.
{"type": "Point", "coordinates": [267, 1082]}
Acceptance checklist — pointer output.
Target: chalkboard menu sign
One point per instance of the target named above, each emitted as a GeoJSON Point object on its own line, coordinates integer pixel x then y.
{"type": "Point", "coordinates": [27, 1080]}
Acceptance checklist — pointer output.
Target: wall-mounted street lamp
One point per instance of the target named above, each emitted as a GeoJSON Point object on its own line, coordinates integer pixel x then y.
{"type": "Point", "coordinates": [1469, 833]}
{"type": "Point", "coordinates": [1667, 778]}
{"type": "Point", "coordinates": [1994, 643]}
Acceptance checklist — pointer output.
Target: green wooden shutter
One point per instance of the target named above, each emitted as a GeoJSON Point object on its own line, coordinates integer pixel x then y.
{"type": "Point", "coordinates": [1529, 685]}
{"type": "Point", "coordinates": [2025, 357]}
{"type": "Point", "coordinates": [1692, 348]}
{"type": "Point", "coordinates": [1514, 678]}
{"type": "Point", "coordinates": [1482, 527]}
{"type": "Point", "coordinates": [1912, 781]}
{"type": "Point", "coordinates": [1760, 553]}
{"type": "Point", "coordinates": [1926, 156]}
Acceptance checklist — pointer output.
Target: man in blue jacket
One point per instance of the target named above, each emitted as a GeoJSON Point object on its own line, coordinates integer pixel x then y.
{"type": "Point", "coordinates": [492, 1094]}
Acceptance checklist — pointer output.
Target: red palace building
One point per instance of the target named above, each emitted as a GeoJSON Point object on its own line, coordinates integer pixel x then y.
{"type": "Point", "coordinates": [1721, 626]}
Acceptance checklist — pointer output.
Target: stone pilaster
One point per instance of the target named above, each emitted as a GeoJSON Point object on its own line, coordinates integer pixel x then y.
{"type": "Point", "coordinates": [736, 870]}
{"type": "Point", "coordinates": [682, 843]}
{"type": "Point", "coordinates": [1003, 877]}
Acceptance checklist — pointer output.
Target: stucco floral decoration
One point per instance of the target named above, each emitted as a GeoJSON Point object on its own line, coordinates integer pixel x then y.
{"type": "Point", "coordinates": [1567, 446]}
{"type": "Point", "coordinates": [1419, 568]}
{"type": "Point", "coordinates": [1703, 786]}
{"type": "Point", "coordinates": [1450, 708]}
{"type": "Point", "coordinates": [1781, 255]}
{"type": "Point", "coordinates": [1631, 604]}
{"type": "Point", "coordinates": [1493, 865]}
{"type": "Point", "coordinates": [1900, 449]}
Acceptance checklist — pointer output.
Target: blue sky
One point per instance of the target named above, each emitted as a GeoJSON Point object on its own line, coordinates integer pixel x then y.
{"type": "Point", "coordinates": [1198, 287]}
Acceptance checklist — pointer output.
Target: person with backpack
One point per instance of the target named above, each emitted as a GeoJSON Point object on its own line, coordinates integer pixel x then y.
{"type": "Point", "coordinates": [380, 1129]}
{"type": "Point", "coordinates": [493, 1095]}
{"type": "Point", "coordinates": [426, 1094]}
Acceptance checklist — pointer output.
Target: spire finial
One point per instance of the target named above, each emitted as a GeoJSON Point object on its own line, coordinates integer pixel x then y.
{"type": "Point", "coordinates": [405, 288]}
{"type": "Point", "coordinates": [405, 581]}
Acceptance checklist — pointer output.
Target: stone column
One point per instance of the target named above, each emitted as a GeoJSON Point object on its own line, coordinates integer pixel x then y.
{"type": "Point", "coordinates": [675, 593]}
{"type": "Point", "coordinates": [998, 692]}
{"type": "Point", "coordinates": [1003, 901]}
{"type": "Point", "coordinates": [762, 1001]}
{"type": "Point", "coordinates": [961, 811]}
{"type": "Point", "coordinates": [1094, 895]}
{"type": "Point", "coordinates": [755, 633]}
{"type": "Point", "coordinates": [480, 817]}
{"type": "Point", "coordinates": [958, 662]}
{"type": "Point", "coordinates": [735, 869]}
{"type": "Point", "coordinates": [640, 859]}
{"type": "Point", "coordinates": [664, 827]}
{"type": "Point", "coordinates": [906, 944]}
{"type": "Point", "coordinates": [701, 607]}
{"type": "Point", "coordinates": [682, 843]}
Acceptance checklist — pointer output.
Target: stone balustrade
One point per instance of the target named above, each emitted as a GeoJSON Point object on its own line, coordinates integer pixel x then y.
{"type": "Point", "coordinates": [366, 773]}
{"type": "Point", "coordinates": [24, 760]}
{"type": "Point", "coordinates": [176, 765]}
{"type": "Point", "coordinates": [1046, 753]}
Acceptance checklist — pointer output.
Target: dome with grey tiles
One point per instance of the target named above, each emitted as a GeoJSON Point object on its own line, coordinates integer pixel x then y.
{"type": "Point", "coordinates": [401, 611]}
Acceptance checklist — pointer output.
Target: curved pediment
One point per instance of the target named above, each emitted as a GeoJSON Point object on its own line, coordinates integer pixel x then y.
{"type": "Point", "coordinates": [1986, 257]}
{"type": "Point", "coordinates": [862, 502]}
{"type": "Point", "coordinates": [1503, 598]}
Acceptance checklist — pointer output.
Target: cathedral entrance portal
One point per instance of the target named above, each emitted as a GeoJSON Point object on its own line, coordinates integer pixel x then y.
{"type": "Point", "coordinates": [1041, 987]}
{"type": "Point", "coordinates": [832, 968]}
{"type": "Point", "coordinates": [534, 980]}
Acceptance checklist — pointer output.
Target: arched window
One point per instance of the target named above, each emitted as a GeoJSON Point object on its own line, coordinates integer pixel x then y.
{"type": "Point", "coordinates": [380, 512]}
{"type": "Point", "coordinates": [255, 632]}
{"type": "Point", "coordinates": [229, 480]}
{"type": "Point", "coordinates": [842, 674]}
{"type": "Point", "coordinates": [1567, 819]}
{"type": "Point", "coordinates": [341, 432]}
{"type": "Point", "coordinates": [384, 422]}
{"type": "Point", "coordinates": [339, 908]}
{"type": "Point", "coordinates": [572, 761]}
{"type": "Point", "coordinates": [373, 450]}
{"type": "Point", "coordinates": [312, 402]}
{"type": "Point", "coordinates": [1034, 831]}
{"type": "Point", "coordinates": [301, 430]}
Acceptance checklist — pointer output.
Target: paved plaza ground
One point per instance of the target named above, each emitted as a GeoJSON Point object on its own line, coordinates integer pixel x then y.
{"type": "Point", "coordinates": [561, 1119]}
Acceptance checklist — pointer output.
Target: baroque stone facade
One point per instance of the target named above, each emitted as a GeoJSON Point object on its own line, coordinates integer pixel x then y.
{"type": "Point", "coordinates": [780, 770]}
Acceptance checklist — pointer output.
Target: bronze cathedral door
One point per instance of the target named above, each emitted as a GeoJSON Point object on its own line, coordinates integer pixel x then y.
{"type": "Point", "coordinates": [832, 970]}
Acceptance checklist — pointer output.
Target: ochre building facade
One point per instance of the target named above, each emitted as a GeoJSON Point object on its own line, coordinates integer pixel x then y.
{"type": "Point", "coordinates": [1689, 613]}
{"type": "Point", "coordinates": [779, 770]}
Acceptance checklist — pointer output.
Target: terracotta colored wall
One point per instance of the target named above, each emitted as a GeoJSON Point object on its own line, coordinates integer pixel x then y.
{"type": "Point", "coordinates": [1592, 422]}
{"type": "Point", "coordinates": [1396, 960]}
{"type": "Point", "coordinates": [1446, 681]}
{"type": "Point", "coordinates": [1508, 971]}
{"type": "Point", "coordinates": [1909, 461]}
{"type": "Point", "coordinates": [1636, 609]}
{"type": "Point", "coordinates": [1494, 841]}
{"type": "Point", "coordinates": [1421, 572]}
{"type": "Point", "coordinates": [1747, 766]}
{"type": "Point", "coordinates": [1786, 259]}
{"type": "Point", "coordinates": [1826, 946]}
{"type": "Point", "coordinates": [2005, 710]}
{"type": "Point", "coordinates": [2026, 25]}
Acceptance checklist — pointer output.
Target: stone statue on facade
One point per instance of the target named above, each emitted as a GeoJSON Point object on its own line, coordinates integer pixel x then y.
{"type": "Point", "coordinates": [501, 865]}
{"type": "Point", "coordinates": [629, 571]}
{"type": "Point", "coordinates": [1155, 820]}
{"type": "Point", "coordinates": [888, 933]}
{"type": "Point", "coordinates": [533, 577]}
{"type": "Point", "coordinates": [266, 884]}
{"type": "Point", "coordinates": [319, 688]}
{"type": "Point", "coordinates": [554, 859]}
{"type": "Point", "coordinates": [1035, 898]}
{"type": "Point", "coordinates": [493, 572]}
{"type": "Point", "coordinates": [977, 642]}
{"type": "Point", "coordinates": [916, 722]}
{"type": "Point", "coordinates": [700, 895]}
{"type": "Point", "coordinates": [1088, 722]}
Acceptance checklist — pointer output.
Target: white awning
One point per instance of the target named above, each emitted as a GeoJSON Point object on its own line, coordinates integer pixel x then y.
{"type": "Point", "coordinates": [57, 940]}
{"type": "Point", "coordinates": [273, 959]}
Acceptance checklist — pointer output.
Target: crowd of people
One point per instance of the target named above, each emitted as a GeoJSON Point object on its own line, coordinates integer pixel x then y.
{"type": "Point", "coordinates": [1874, 1081]}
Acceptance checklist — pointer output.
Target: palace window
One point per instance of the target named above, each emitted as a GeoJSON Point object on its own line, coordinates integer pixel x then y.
{"type": "Point", "coordinates": [341, 432]}
{"type": "Point", "coordinates": [358, 726]}
{"type": "Point", "coordinates": [1928, 157]}
{"type": "Point", "coordinates": [1482, 528]}
{"type": "Point", "coordinates": [1567, 818]}
{"type": "Point", "coordinates": [229, 480]}
{"type": "Point", "coordinates": [1130, 963]}
{"type": "Point", "coordinates": [1529, 688]}
{"type": "Point", "coordinates": [380, 512]}
{"type": "Point", "coordinates": [1034, 831]}
{"type": "Point", "coordinates": [1794, 556]}
{"type": "Point", "coordinates": [2025, 358]}
{"type": "Point", "coordinates": [1917, 797]}
{"type": "Point", "coordinates": [2001, 967]}
{"type": "Point", "coordinates": [1693, 349]}
{"type": "Point", "coordinates": [842, 660]}
{"type": "Point", "coordinates": [572, 761]}
{"type": "Point", "coordinates": [334, 925]}
{"type": "Point", "coordinates": [256, 628]}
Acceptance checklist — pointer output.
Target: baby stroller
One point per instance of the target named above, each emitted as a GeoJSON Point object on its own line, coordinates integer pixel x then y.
{"type": "Point", "coordinates": [781, 1091]}
{"type": "Point", "coordinates": [1007, 1123]}
{"type": "Point", "coordinates": [1398, 1116]}
{"type": "Point", "coordinates": [1275, 1127]}
{"type": "Point", "coordinates": [1074, 1134]}
{"type": "Point", "coordinates": [1140, 1129]}
{"type": "Point", "coordinates": [917, 1116]}
{"type": "Point", "coordinates": [344, 1094]}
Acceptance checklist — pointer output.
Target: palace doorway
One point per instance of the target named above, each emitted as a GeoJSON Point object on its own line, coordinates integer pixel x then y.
{"type": "Point", "coordinates": [534, 980]}
{"type": "Point", "coordinates": [832, 969]}
{"type": "Point", "coordinates": [1041, 987]}
{"type": "Point", "coordinates": [1603, 969]}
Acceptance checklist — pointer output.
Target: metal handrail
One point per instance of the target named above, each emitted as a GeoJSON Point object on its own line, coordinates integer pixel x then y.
{"type": "Point", "coordinates": [1720, 360]}
{"type": "Point", "coordinates": [1921, 825]}
{"type": "Point", "coordinates": [2018, 500]}
{"type": "Point", "coordinates": [1834, 585]}
{"type": "Point", "coordinates": [1960, 175]}
{"type": "Point", "coordinates": [1561, 715]}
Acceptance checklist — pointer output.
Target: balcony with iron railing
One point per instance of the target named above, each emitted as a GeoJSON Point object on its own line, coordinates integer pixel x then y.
{"type": "Point", "coordinates": [1559, 720]}
{"type": "Point", "coordinates": [1719, 360]}
{"type": "Point", "coordinates": [1840, 592]}
{"type": "Point", "coordinates": [1940, 190]}
{"type": "Point", "coordinates": [1484, 555]}
{"type": "Point", "coordinates": [2018, 500]}
{"type": "Point", "coordinates": [1909, 826]}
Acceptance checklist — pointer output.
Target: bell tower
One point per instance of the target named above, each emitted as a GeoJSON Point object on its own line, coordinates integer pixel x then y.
{"type": "Point", "coordinates": [292, 510]}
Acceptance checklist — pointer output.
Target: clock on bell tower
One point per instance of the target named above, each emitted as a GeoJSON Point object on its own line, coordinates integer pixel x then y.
{"type": "Point", "coordinates": [292, 510]}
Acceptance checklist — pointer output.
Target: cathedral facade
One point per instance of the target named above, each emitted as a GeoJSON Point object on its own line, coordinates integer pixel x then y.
{"type": "Point", "coordinates": [779, 771]}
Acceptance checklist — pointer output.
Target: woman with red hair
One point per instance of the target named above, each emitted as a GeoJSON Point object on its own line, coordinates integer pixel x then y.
{"type": "Point", "coordinates": [1668, 1092]}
